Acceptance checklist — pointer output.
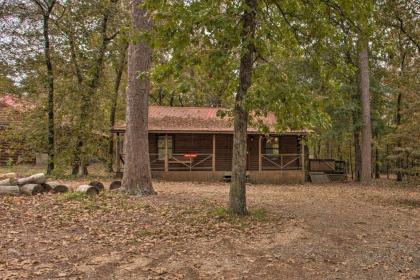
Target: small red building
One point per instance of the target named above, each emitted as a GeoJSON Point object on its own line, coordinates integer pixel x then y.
{"type": "Point", "coordinates": [11, 110]}
{"type": "Point", "coordinates": [195, 143]}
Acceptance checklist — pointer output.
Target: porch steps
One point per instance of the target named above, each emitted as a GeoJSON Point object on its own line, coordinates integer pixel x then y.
{"type": "Point", "coordinates": [322, 177]}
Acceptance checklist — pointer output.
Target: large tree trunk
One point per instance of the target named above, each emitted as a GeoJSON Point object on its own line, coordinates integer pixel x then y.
{"type": "Point", "coordinates": [237, 194]}
{"type": "Point", "coordinates": [119, 72]}
{"type": "Point", "coordinates": [398, 122]}
{"type": "Point", "coordinates": [137, 175]}
{"type": "Point", "coordinates": [366, 143]}
{"type": "Point", "coordinates": [50, 82]}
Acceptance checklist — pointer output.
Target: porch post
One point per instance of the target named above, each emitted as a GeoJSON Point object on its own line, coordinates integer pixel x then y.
{"type": "Point", "coordinates": [117, 153]}
{"type": "Point", "coordinates": [166, 154]}
{"type": "Point", "coordinates": [213, 158]}
{"type": "Point", "coordinates": [259, 153]}
{"type": "Point", "coordinates": [302, 151]}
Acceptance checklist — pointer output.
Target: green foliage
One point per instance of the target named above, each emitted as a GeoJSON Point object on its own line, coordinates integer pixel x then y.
{"type": "Point", "coordinates": [305, 70]}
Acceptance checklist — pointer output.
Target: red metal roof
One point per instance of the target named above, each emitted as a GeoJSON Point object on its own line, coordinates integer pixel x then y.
{"type": "Point", "coordinates": [197, 119]}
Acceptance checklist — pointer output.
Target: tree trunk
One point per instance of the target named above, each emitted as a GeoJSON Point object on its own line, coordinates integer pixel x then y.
{"type": "Point", "coordinates": [398, 122]}
{"type": "Point", "coordinates": [137, 174]}
{"type": "Point", "coordinates": [50, 82]}
{"type": "Point", "coordinates": [377, 171]}
{"type": "Point", "coordinates": [329, 148]}
{"type": "Point", "coordinates": [366, 143]}
{"type": "Point", "coordinates": [119, 72]}
{"type": "Point", "coordinates": [357, 156]}
{"type": "Point", "coordinates": [237, 194]}
{"type": "Point", "coordinates": [80, 161]}
{"type": "Point", "coordinates": [351, 160]}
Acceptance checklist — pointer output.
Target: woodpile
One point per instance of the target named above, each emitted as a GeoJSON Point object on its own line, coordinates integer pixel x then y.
{"type": "Point", "coordinates": [38, 184]}
{"type": "Point", "coordinates": [87, 189]}
{"type": "Point", "coordinates": [115, 185]}
{"type": "Point", "coordinates": [98, 185]}
{"type": "Point", "coordinates": [31, 185]}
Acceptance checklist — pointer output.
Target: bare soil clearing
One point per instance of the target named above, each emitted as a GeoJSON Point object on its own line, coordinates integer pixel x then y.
{"type": "Point", "coordinates": [338, 231]}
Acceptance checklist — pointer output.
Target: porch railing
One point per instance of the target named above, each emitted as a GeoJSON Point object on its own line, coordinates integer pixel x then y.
{"type": "Point", "coordinates": [281, 161]}
{"type": "Point", "coordinates": [196, 162]}
{"type": "Point", "coordinates": [178, 162]}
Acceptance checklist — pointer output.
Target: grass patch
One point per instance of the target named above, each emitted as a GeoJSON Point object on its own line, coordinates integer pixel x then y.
{"type": "Point", "coordinates": [259, 214]}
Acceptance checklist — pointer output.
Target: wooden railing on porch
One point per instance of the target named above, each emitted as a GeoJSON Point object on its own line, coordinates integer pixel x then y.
{"type": "Point", "coordinates": [178, 162]}
{"type": "Point", "coordinates": [281, 161]}
{"type": "Point", "coordinates": [190, 163]}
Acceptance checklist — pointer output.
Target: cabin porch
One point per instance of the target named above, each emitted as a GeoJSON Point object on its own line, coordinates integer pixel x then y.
{"type": "Point", "coordinates": [208, 157]}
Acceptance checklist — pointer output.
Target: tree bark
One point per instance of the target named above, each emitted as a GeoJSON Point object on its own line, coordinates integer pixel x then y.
{"type": "Point", "coordinates": [357, 156]}
{"type": "Point", "coordinates": [119, 72]}
{"type": "Point", "coordinates": [46, 10]}
{"type": "Point", "coordinates": [377, 171]}
{"type": "Point", "coordinates": [237, 193]}
{"type": "Point", "coordinates": [366, 146]}
{"type": "Point", "coordinates": [137, 174]}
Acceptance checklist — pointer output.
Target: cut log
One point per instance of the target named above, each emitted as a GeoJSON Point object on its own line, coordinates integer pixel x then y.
{"type": "Point", "coordinates": [31, 189]}
{"type": "Point", "coordinates": [58, 188]}
{"type": "Point", "coordinates": [8, 176]}
{"type": "Point", "coordinates": [98, 185]}
{"type": "Point", "coordinates": [9, 190]}
{"type": "Point", "coordinates": [88, 189]}
{"type": "Point", "coordinates": [34, 179]}
{"type": "Point", "coordinates": [46, 187]}
{"type": "Point", "coordinates": [8, 182]}
{"type": "Point", "coordinates": [115, 185]}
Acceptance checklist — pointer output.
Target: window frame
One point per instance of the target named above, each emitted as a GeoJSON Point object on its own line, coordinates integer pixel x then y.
{"type": "Point", "coordinates": [272, 146]}
{"type": "Point", "coordinates": [161, 150]}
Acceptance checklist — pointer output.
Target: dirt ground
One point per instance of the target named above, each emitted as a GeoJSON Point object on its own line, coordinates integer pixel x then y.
{"type": "Point", "coordinates": [341, 231]}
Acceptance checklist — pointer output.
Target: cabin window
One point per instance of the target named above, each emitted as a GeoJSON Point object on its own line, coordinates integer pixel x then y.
{"type": "Point", "coordinates": [161, 146]}
{"type": "Point", "coordinates": [272, 146]}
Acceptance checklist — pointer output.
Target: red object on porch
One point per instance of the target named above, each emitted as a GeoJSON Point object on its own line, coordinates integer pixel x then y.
{"type": "Point", "coordinates": [190, 155]}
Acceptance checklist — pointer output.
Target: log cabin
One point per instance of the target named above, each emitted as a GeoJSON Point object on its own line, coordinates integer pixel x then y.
{"type": "Point", "coordinates": [195, 143]}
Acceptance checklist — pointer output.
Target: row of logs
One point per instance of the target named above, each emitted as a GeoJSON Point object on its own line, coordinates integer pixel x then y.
{"type": "Point", "coordinates": [31, 185]}
{"type": "Point", "coordinates": [95, 187]}
{"type": "Point", "coordinates": [37, 183]}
